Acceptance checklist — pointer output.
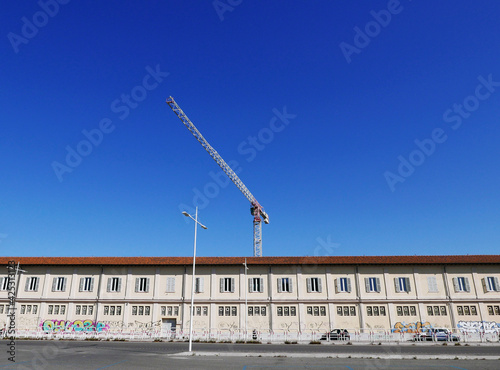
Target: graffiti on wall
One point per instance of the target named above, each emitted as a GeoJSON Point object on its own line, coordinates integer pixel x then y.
{"type": "Point", "coordinates": [478, 327]}
{"type": "Point", "coordinates": [56, 326]}
{"type": "Point", "coordinates": [412, 327]}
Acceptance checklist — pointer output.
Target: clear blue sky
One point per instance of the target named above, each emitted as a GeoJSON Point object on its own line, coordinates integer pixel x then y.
{"type": "Point", "coordinates": [337, 174]}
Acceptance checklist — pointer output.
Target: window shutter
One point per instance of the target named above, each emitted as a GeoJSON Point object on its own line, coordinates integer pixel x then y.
{"type": "Point", "coordinates": [290, 285]}
{"type": "Point", "coordinates": [280, 285]}
{"type": "Point", "coordinates": [408, 286]}
{"type": "Point", "coordinates": [109, 285]}
{"type": "Point", "coordinates": [1, 283]}
{"type": "Point", "coordinates": [232, 285]}
{"type": "Point", "coordinates": [37, 280]}
{"type": "Point", "coordinates": [91, 284]}
{"type": "Point", "coordinates": [147, 285]}
{"type": "Point", "coordinates": [119, 285]}
{"type": "Point", "coordinates": [467, 286]}
{"type": "Point", "coordinates": [319, 286]}
{"type": "Point", "coordinates": [137, 282]}
{"type": "Point", "coordinates": [497, 285]}
{"type": "Point", "coordinates": [367, 284]}
{"type": "Point", "coordinates": [27, 285]}
{"type": "Point", "coordinates": [432, 284]}
{"type": "Point", "coordinates": [377, 280]}
{"type": "Point", "coordinates": [486, 288]}
{"type": "Point", "coordinates": [261, 285]}
{"type": "Point", "coordinates": [54, 282]}
{"type": "Point", "coordinates": [396, 284]}
{"type": "Point", "coordinates": [201, 287]}
{"type": "Point", "coordinates": [221, 285]}
{"type": "Point", "coordinates": [348, 285]}
{"type": "Point", "coordinates": [455, 284]}
{"type": "Point", "coordinates": [308, 280]}
{"type": "Point", "coordinates": [250, 285]}
{"type": "Point", "coordinates": [64, 284]}
{"type": "Point", "coordinates": [82, 281]}
{"type": "Point", "coordinates": [337, 285]}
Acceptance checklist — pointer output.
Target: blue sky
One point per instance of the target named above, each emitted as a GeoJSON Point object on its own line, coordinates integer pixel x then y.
{"type": "Point", "coordinates": [365, 128]}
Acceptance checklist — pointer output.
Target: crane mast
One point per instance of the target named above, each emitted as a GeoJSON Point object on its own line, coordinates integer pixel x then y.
{"type": "Point", "coordinates": [257, 210]}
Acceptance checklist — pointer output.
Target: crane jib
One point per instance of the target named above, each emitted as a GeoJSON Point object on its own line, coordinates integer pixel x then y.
{"type": "Point", "coordinates": [230, 173]}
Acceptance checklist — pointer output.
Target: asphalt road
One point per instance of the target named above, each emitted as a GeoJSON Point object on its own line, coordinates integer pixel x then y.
{"type": "Point", "coordinates": [165, 355]}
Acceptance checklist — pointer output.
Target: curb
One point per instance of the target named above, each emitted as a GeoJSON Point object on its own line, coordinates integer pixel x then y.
{"type": "Point", "coordinates": [338, 355]}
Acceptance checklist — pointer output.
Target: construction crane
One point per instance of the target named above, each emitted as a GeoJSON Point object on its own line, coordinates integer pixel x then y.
{"type": "Point", "coordinates": [257, 210]}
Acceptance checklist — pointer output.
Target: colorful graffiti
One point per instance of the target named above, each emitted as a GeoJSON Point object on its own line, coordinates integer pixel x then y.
{"type": "Point", "coordinates": [55, 326]}
{"type": "Point", "coordinates": [412, 327]}
{"type": "Point", "coordinates": [478, 327]}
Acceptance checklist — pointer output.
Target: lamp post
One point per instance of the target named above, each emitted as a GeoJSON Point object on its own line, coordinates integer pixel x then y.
{"type": "Point", "coordinates": [196, 223]}
{"type": "Point", "coordinates": [246, 301]}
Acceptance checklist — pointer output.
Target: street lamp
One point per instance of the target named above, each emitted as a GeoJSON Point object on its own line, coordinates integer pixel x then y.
{"type": "Point", "coordinates": [196, 223]}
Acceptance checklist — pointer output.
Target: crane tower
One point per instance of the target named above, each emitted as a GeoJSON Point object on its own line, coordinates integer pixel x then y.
{"type": "Point", "coordinates": [256, 209]}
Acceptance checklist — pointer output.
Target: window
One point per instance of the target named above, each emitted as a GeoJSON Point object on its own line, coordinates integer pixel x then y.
{"type": "Point", "coordinates": [199, 285]}
{"type": "Point", "coordinates": [170, 311]}
{"type": "Point", "coordinates": [460, 310]}
{"type": "Point", "coordinates": [111, 310]}
{"type": "Point", "coordinates": [141, 310]}
{"type": "Point", "coordinates": [432, 284]}
{"type": "Point", "coordinates": [78, 309]}
{"type": "Point", "coordinates": [349, 311]}
{"type": "Point", "coordinates": [205, 311]}
{"type": "Point", "coordinates": [473, 310]}
{"type": "Point", "coordinates": [461, 284]}
{"type": "Point", "coordinates": [164, 311]}
{"type": "Point", "coordinates": [142, 285]}
{"type": "Point", "coordinates": [63, 309]}
{"type": "Point", "coordinates": [369, 311]}
{"type": "Point", "coordinates": [491, 284]}
{"type": "Point", "coordinates": [147, 310]}
{"type": "Point", "coordinates": [490, 310]}
{"type": "Point", "coordinates": [84, 310]}
{"type": "Point", "coordinates": [86, 284]}
{"type": "Point", "coordinates": [4, 283]}
{"type": "Point", "coordinates": [497, 310]}
{"type": "Point", "coordinates": [443, 310]}
{"type": "Point", "coordinates": [134, 310]}
{"type": "Point", "coordinates": [375, 311]}
{"type": "Point", "coordinates": [285, 285]}
{"type": "Point", "coordinates": [282, 311]}
{"type": "Point", "coordinates": [1, 308]}
{"type": "Point", "coordinates": [257, 310]}
{"type": "Point", "coordinates": [114, 284]}
{"type": "Point", "coordinates": [228, 311]}
{"type": "Point", "coordinates": [170, 285]}
{"type": "Point", "coordinates": [56, 309]}
{"type": "Point", "coordinates": [255, 285]}
{"type": "Point", "coordinates": [466, 310]}
{"type": "Point", "coordinates": [50, 309]}
{"type": "Point", "coordinates": [402, 284]}
{"type": "Point", "coordinates": [176, 311]}
{"type": "Point", "coordinates": [198, 311]}
{"type": "Point", "coordinates": [59, 284]}
{"type": "Point", "coordinates": [313, 285]}
{"type": "Point", "coordinates": [227, 285]}
{"type": "Point", "coordinates": [32, 284]}
{"type": "Point", "coordinates": [316, 310]}
{"type": "Point", "coordinates": [406, 310]}
{"type": "Point", "coordinates": [372, 285]}
{"type": "Point", "coordinates": [23, 309]}
{"type": "Point", "coordinates": [35, 309]}
{"type": "Point", "coordinates": [28, 309]}
{"type": "Point", "coordinates": [250, 311]}
{"type": "Point", "coordinates": [382, 311]}
{"type": "Point", "coordinates": [343, 285]}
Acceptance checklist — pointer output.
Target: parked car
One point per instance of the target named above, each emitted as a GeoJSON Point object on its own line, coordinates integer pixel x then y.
{"type": "Point", "coordinates": [436, 334]}
{"type": "Point", "coordinates": [337, 334]}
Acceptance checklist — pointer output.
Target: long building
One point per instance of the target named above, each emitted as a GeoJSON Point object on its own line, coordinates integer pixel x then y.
{"type": "Point", "coordinates": [295, 294]}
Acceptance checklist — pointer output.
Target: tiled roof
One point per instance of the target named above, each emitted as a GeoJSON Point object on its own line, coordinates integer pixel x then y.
{"type": "Point", "coordinates": [350, 260]}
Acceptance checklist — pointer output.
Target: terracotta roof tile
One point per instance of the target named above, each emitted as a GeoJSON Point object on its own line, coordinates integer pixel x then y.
{"type": "Point", "coordinates": [348, 260]}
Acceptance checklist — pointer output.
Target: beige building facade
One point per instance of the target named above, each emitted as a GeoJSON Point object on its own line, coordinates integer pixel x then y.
{"type": "Point", "coordinates": [277, 294]}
